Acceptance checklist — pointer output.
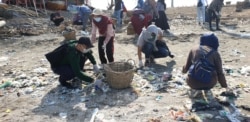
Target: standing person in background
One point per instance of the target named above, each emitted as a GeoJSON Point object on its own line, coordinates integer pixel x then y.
{"type": "Point", "coordinates": [139, 4]}
{"type": "Point", "coordinates": [104, 25]}
{"type": "Point", "coordinates": [83, 11]}
{"type": "Point", "coordinates": [124, 9]}
{"type": "Point", "coordinates": [201, 9]}
{"type": "Point", "coordinates": [214, 11]}
{"type": "Point", "coordinates": [149, 7]}
{"type": "Point", "coordinates": [162, 21]}
{"type": "Point", "coordinates": [117, 13]}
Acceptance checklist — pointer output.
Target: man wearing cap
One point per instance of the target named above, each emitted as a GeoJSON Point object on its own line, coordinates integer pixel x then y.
{"type": "Point", "coordinates": [104, 25]}
{"type": "Point", "coordinates": [152, 34]}
{"type": "Point", "coordinates": [214, 12]}
{"type": "Point", "coordinates": [72, 64]}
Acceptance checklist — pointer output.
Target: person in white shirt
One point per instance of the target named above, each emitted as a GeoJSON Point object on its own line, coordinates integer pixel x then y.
{"type": "Point", "coordinates": [201, 8]}
{"type": "Point", "coordinates": [150, 37]}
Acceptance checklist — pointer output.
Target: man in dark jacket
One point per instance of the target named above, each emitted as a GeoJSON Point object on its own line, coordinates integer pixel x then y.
{"type": "Point", "coordinates": [72, 64]}
{"type": "Point", "coordinates": [214, 11]}
{"type": "Point", "coordinates": [56, 18]}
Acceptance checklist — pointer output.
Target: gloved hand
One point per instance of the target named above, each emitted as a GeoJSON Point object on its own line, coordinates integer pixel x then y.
{"type": "Point", "coordinates": [86, 50]}
{"type": "Point", "coordinates": [104, 46]}
{"type": "Point", "coordinates": [96, 69]}
{"type": "Point", "coordinates": [140, 63]}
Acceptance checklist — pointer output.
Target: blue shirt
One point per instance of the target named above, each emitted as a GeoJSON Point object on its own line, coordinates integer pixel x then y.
{"type": "Point", "coordinates": [83, 9]}
{"type": "Point", "coordinates": [140, 4]}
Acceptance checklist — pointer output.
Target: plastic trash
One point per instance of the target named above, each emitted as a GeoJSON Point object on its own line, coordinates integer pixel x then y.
{"type": "Point", "coordinates": [5, 84]}
{"type": "Point", "coordinates": [228, 115]}
{"type": "Point", "coordinates": [100, 85]}
{"type": "Point", "coordinates": [94, 114]}
{"type": "Point", "coordinates": [85, 33]}
{"type": "Point", "coordinates": [63, 115]}
{"type": "Point", "coordinates": [8, 111]}
{"type": "Point", "coordinates": [72, 9]}
{"type": "Point", "coordinates": [84, 99]}
{"type": "Point", "coordinates": [158, 98]}
{"type": "Point", "coordinates": [166, 76]}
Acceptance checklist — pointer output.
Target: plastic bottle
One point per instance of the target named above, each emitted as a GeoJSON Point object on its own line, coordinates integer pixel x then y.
{"type": "Point", "coordinates": [5, 84]}
{"type": "Point", "coordinates": [165, 76]}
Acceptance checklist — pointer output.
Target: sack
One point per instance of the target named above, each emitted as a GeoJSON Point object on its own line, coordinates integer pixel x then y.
{"type": "Point", "coordinates": [202, 70]}
{"type": "Point", "coordinates": [199, 4]}
{"type": "Point", "coordinates": [56, 18]}
{"type": "Point", "coordinates": [54, 57]}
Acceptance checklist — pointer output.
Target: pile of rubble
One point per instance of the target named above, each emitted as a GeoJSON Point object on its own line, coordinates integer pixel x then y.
{"type": "Point", "coordinates": [242, 5]}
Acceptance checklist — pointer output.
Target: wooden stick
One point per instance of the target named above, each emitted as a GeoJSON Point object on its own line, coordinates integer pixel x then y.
{"type": "Point", "coordinates": [34, 2]}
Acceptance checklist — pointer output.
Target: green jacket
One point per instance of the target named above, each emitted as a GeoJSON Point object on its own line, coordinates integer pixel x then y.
{"type": "Point", "coordinates": [73, 59]}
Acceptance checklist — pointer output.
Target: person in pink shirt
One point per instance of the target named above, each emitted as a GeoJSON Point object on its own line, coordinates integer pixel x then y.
{"type": "Point", "coordinates": [104, 25]}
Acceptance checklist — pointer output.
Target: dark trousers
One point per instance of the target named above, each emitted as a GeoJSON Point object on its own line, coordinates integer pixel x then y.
{"type": "Point", "coordinates": [109, 50]}
{"type": "Point", "coordinates": [66, 73]}
{"type": "Point", "coordinates": [162, 21]}
{"type": "Point", "coordinates": [148, 50]}
{"type": "Point", "coordinates": [212, 15]}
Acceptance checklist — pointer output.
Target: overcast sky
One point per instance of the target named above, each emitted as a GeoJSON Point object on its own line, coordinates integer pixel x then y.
{"type": "Point", "coordinates": [130, 4]}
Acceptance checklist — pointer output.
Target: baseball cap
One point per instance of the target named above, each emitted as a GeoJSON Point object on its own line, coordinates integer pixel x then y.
{"type": "Point", "coordinates": [85, 41]}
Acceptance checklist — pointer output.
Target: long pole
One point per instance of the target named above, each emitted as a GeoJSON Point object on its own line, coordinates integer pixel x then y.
{"type": "Point", "coordinates": [34, 2]}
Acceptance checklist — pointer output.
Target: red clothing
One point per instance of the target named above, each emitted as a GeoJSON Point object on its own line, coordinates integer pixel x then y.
{"type": "Point", "coordinates": [138, 24]}
{"type": "Point", "coordinates": [105, 29]}
{"type": "Point", "coordinates": [103, 24]}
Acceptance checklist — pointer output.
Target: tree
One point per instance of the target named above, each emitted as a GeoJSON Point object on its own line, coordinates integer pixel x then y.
{"type": "Point", "coordinates": [111, 5]}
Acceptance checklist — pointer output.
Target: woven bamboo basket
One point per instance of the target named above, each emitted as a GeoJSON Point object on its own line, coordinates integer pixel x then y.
{"type": "Point", "coordinates": [119, 75]}
{"type": "Point", "coordinates": [56, 5]}
{"type": "Point", "coordinates": [69, 35]}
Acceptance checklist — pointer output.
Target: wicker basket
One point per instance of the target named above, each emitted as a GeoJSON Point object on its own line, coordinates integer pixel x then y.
{"type": "Point", "coordinates": [56, 5]}
{"type": "Point", "coordinates": [69, 35]}
{"type": "Point", "coordinates": [119, 75]}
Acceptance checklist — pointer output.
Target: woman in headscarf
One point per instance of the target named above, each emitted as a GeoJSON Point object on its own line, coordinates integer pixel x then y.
{"type": "Point", "coordinates": [162, 21]}
{"type": "Point", "coordinates": [208, 42]}
{"type": "Point", "coordinates": [104, 25]}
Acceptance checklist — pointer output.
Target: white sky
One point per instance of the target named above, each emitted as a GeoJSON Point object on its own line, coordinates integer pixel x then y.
{"type": "Point", "coordinates": [130, 4]}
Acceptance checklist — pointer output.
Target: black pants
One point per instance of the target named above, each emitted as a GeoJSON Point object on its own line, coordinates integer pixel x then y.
{"type": "Point", "coordinates": [109, 50]}
{"type": "Point", "coordinates": [66, 73]}
{"type": "Point", "coordinates": [162, 21]}
{"type": "Point", "coordinates": [212, 15]}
